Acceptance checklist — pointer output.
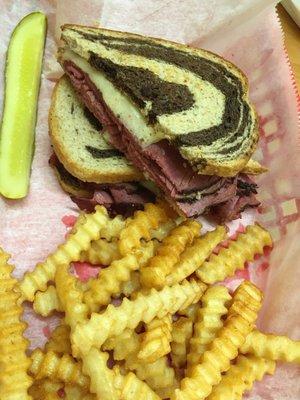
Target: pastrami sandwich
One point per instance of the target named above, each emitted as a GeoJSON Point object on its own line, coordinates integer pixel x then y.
{"type": "Point", "coordinates": [88, 168]}
{"type": "Point", "coordinates": [180, 115]}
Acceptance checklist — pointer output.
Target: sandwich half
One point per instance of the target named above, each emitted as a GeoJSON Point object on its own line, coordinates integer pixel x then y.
{"type": "Point", "coordinates": [87, 167]}
{"type": "Point", "coordinates": [180, 115]}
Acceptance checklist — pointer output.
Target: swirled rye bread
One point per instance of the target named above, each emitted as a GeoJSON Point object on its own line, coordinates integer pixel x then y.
{"type": "Point", "coordinates": [87, 167]}
{"type": "Point", "coordinates": [180, 115]}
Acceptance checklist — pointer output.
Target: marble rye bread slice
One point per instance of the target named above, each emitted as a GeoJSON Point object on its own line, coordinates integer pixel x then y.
{"type": "Point", "coordinates": [78, 141]}
{"type": "Point", "coordinates": [78, 136]}
{"type": "Point", "coordinates": [88, 168]}
{"type": "Point", "coordinates": [161, 90]}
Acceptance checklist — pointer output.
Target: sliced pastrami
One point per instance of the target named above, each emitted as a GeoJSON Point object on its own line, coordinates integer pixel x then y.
{"type": "Point", "coordinates": [244, 198]}
{"type": "Point", "coordinates": [192, 193]}
{"type": "Point", "coordinates": [118, 198]}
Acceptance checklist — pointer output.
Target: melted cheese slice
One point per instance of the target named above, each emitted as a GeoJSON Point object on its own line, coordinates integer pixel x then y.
{"type": "Point", "coordinates": [128, 114]}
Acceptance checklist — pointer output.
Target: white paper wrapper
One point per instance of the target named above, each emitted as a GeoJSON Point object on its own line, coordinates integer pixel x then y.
{"type": "Point", "coordinates": [247, 33]}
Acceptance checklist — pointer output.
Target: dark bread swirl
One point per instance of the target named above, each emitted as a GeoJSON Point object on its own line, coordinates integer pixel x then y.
{"type": "Point", "coordinates": [77, 140]}
{"type": "Point", "coordinates": [192, 97]}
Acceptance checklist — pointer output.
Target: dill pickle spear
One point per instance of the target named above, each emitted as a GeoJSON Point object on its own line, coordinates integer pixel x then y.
{"type": "Point", "coordinates": [22, 83]}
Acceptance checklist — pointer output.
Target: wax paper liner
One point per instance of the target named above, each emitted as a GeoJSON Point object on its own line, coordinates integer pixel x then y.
{"type": "Point", "coordinates": [249, 34]}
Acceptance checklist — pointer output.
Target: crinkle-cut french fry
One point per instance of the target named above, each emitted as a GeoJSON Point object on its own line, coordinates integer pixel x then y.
{"type": "Point", "coordinates": [249, 294]}
{"type": "Point", "coordinates": [111, 278]}
{"type": "Point", "coordinates": [156, 339]}
{"type": "Point", "coordinates": [139, 227]}
{"type": "Point", "coordinates": [214, 361]}
{"type": "Point", "coordinates": [42, 388]}
{"type": "Point", "coordinates": [195, 255]}
{"type": "Point", "coordinates": [131, 286]}
{"type": "Point", "coordinates": [240, 377]}
{"type": "Point", "coordinates": [70, 296]}
{"type": "Point", "coordinates": [208, 322]}
{"type": "Point", "coordinates": [52, 396]}
{"type": "Point", "coordinates": [126, 346]}
{"type": "Point", "coordinates": [60, 368]}
{"type": "Point", "coordinates": [167, 391]}
{"type": "Point", "coordinates": [102, 378]}
{"type": "Point", "coordinates": [164, 229]}
{"type": "Point", "coordinates": [78, 241]}
{"type": "Point", "coordinates": [109, 281]}
{"type": "Point", "coordinates": [157, 375]}
{"type": "Point", "coordinates": [73, 392]}
{"type": "Point", "coordinates": [190, 311]}
{"type": "Point", "coordinates": [229, 260]}
{"type": "Point", "coordinates": [132, 388]}
{"type": "Point", "coordinates": [59, 341]}
{"type": "Point", "coordinates": [272, 347]}
{"type": "Point", "coordinates": [168, 253]}
{"type": "Point", "coordinates": [14, 380]}
{"type": "Point", "coordinates": [101, 252]}
{"type": "Point", "coordinates": [110, 232]}
{"type": "Point", "coordinates": [114, 320]}
{"type": "Point", "coordinates": [181, 334]}
{"type": "Point", "coordinates": [45, 303]}
{"type": "Point", "coordinates": [198, 385]}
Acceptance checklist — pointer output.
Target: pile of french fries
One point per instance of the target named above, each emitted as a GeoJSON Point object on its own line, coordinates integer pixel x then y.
{"type": "Point", "coordinates": [156, 323]}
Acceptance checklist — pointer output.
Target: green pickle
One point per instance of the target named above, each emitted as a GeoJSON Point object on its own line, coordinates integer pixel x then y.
{"type": "Point", "coordinates": [22, 83]}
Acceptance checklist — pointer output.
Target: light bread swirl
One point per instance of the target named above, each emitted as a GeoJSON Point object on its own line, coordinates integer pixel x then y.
{"type": "Point", "coordinates": [79, 144]}
{"type": "Point", "coordinates": [192, 97]}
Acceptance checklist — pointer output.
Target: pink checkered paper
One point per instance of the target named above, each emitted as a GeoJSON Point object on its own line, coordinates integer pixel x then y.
{"type": "Point", "coordinates": [249, 34]}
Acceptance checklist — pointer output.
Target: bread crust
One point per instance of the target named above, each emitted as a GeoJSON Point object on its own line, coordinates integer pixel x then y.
{"type": "Point", "coordinates": [69, 188]}
{"type": "Point", "coordinates": [128, 174]}
{"type": "Point", "coordinates": [254, 168]}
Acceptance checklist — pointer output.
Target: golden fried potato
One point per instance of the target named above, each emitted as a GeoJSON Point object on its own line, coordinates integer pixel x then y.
{"type": "Point", "coordinates": [190, 311]}
{"type": "Point", "coordinates": [101, 252]}
{"type": "Point", "coordinates": [59, 341]}
{"type": "Point", "coordinates": [165, 228]}
{"type": "Point", "coordinates": [124, 346]}
{"type": "Point", "coordinates": [208, 322]}
{"type": "Point", "coordinates": [229, 260]}
{"type": "Point", "coordinates": [43, 388]}
{"type": "Point", "coordinates": [167, 391]}
{"type": "Point", "coordinates": [240, 377]}
{"type": "Point", "coordinates": [198, 385]}
{"type": "Point", "coordinates": [14, 380]}
{"type": "Point", "coordinates": [88, 230]}
{"type": "Point", "coordinates": [272, 347]}
{"type": "Point", "coordinates": [195, 255]}
{"type": "Point", "coordinates": [246, 294]}
{"type": "Point", "coordinates": [205, 342]}
{"type": "Point", "coordinates": [114, 320]}
{"type": "Point", "coordinates": [140, 226]}
{"type": "Point", "coordinates": [70, 296]}
{"type": "Point", "coordinates": [102, 378]}
{"type": "Point", "coordinates": [113, 229]}
{"type": "Point", "coordinates": [168, 253]}
{"type": "Point", "coordinates": [110, 279]}
{"type": "Point", "coordinates": [73, 392]}
{"type": "Point", "coordinates": [181, 334]}
{"type": "Point", "coordinates": [157, 375]}
{"type": "Point", "coordinates": [45, 303]}
{"type": "Point", "coordinates": [132, 285]}
{"type": "Point", "coordinates": [132, 388]}
{"type": "Point", "coordinates": [156, 339]}
{"type": "Point", "coordinates": [60, 368]}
